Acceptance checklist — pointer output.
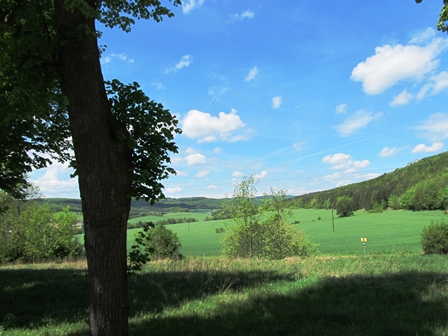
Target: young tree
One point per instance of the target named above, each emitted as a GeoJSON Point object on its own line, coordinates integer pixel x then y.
{"type": "Point", "coordinates": [53, 98]}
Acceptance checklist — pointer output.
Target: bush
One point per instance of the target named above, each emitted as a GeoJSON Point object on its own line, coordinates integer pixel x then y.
{"type": "Point", "coordinates": [220, 230]}
{"type": "Point", "coordinates": [262, 230]}
{"type": "Point", "coordinates": [434, 238]}
{"type": "Point", "coordinates": [345, 206]}
{"type": "Point", "coordinates": [153, 243]}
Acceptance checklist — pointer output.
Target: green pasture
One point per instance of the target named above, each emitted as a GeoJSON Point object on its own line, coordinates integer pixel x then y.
{"type": "Point", "coordinates": [200, 216]}
{"type": "Point", "coordinates": [393, 231]}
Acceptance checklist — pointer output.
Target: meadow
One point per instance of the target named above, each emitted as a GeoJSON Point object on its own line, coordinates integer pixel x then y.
{"type": "Point", "coordinates": [392, 231]}
{"type": "Point", "coordinates": [392, 290]}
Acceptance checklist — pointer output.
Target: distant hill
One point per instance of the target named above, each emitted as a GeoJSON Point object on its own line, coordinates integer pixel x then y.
{"type": "Point", "coordinates": [142, 208]}
{"type": "Point", "coordinates": [421, 185]}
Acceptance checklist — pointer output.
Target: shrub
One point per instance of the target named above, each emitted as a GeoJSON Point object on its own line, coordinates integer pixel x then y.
{"type": "Point", "coordinates": [345, 206]}
{"type": "Point", "coordinates": [153, 243]}
{"type": "Point", "coordinates": [220, 230]}
{"type": "Point", "coordinates": [319, 218]}
{"type": "Point", "coordinates": [434, 238]}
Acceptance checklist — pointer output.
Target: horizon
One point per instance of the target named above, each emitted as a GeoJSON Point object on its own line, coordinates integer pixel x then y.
{"type": "Point", "coordinates": [305, 96]}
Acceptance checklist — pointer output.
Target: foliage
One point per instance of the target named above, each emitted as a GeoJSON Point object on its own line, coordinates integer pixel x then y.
{"type": "Point", "coordinates": [434, 238]}
{"type": "Point", "coordinates": [344, 206]}
{"type": "Point", "coordinates": [421, 185]}
{"type": "Point", "coordinates": [31, 232]}
{"type": "Point", "coordinates": [262, 230]}
{"type": "Point", "coordinates": [220, 230]}
{"type": "Point", "coordinates": [152, 243]}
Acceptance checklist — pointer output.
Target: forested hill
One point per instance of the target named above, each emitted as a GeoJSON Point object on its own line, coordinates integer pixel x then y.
{"type": "Point", "coordinates": [421, 185]}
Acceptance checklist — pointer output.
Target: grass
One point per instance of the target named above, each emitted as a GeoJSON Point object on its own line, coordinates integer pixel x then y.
{"type": "Point", "coordinates": [387, 232]}
{"type": "Point", "coordinates": [393, 290]}
{"type": "Point", "coordinates": [357, 295]}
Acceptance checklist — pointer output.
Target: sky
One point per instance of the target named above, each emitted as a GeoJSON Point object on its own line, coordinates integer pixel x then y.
{"type": "Point", "coordinates": [304, 95]}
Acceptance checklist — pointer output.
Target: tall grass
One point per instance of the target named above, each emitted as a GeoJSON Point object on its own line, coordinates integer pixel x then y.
{"type": "Point", "coordinates": [332, 295]}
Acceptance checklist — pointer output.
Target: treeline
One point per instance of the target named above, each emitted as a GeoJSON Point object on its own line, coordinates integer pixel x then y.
{"type": "Point", "coordinates": [167, 221]}
{"type": "Point", "coordinates": [422, 185]}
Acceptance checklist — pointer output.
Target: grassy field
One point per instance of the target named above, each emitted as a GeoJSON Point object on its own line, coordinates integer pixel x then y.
{"type": "Point", "coordinates": [392, 290]}
{"type": "Point", "coordinates": [388, 232]}
{"type": "Point", "coordinates": [357, 295]}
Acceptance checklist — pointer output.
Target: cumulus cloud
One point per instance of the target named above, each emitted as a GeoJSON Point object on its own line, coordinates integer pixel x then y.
{"type": "Point", "coordinates": [189, 5]}
{"type": "Point", "coordinates": [52, 184]}
{"type": "Point", "coordinates": [435, 128]}
{"type": "Point", "coordinates": [402, 99]}
{"type": "Point", "coordinates": [276, 102]}
{"type": "Point", "coordinates": [263, 174]}
{"type": "Point", "coordinates": [247, 14]}
{"type": "Point", "coordinates": [237, 174]}
{"type": "Point", "coordinates": [395, 63]}
{"type": "Point", "coordinates": [212, 187]}
{"type": "Point", "coordinates": [195, 159]}
{"type": "Point", "coordinates": [206, 128]}
{"type": "Point", "coordinates": [173, 190]}
{"type": "Point", "coordinates": [355, 122]}
{"type": "Point", "coordinates": [184, 62]}
{"type": "Point", "coordinates": [421, 148]}
{"type": "Point", "coordinates": [341, 108]}
{"type": "Point", "coordinates": [181, 173]}
{"type": "Point", "coordinates": [386, 151]}
{"type": "Point", "coordinates": [202, 173]}
{"type": "Point", "coordinates": [341, 161]}
{"type": "Point", "coordinates": [217, 150]}
{"type": "Point", "coordinates": [252, 74]}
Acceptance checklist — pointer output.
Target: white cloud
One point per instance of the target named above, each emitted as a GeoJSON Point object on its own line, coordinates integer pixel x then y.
{"type": "Point", "coordinates": [402, 99]}
{"type": "Point", "coordinates": [343, 183]}
{"type": "Point", "coordinates": [358, 120]}
{"type": "Point", "coordinates": [263, 174]}
{"type": "Point", "coordinates": [158, 85]}
{"type": "Point", "coordinates": [421, 148]}
{"type": "Point", "coordinates": [206, 128]}
{"type": "Point", "coordinates": [184, 62]}
{"type": "Point", "coordinates": [173, 190]}
{"type": "Point", "coordinates": [341, 108]}
{"type": "Point", "coordinates": [394, 63]}
{"type": "Point", "coordinates": [212, 187]}
{"type": "Point", "coordinates": [217, 150]}
{"type": "Point", "coordinates": [427, 35]}
{"type": "Point", "coordinates": [298, 146]}
{"type": "Point", "coordinates": [336, 158]}
{"type": "Point", "coordinates": [189, 5]}
{"type": "Point", "coordinates": [386, 151]}
{"type": "Point", "coordinates": [252, 74]}
{"type": "Point", "coordinates": [341, 161]}
{"type": "Point", "coordinates": [247, 14]}
{"type": "Point", "coordinates": [120, 57]}
{"type": "Point", "coordinates": [277, 101]}
{"type": "Point", "coordinates": [202, 173]}
{"type": "Point", "coordinates": [435, 127]}
{"type": "Point", "coordinates": [237, 174]}
{"type": "Point", "coordinates": [195, 159]}
{"type": "Point", "coordinates": [437, 83]}
{"type": "Point", "coordinates": [181, 173]}
{"type": "Point", "coordinates": [51, 184]}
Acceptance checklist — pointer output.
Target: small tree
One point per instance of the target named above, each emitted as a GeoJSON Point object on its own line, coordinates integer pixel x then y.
{"type": "Point", "coordinates": [262, 231]}
{"type": "Point", "coordinates": [345, 206]}
{"type": "Point", "coordinates": [434, 238]}
{"type": "Point", "coordinates": [152, 243]}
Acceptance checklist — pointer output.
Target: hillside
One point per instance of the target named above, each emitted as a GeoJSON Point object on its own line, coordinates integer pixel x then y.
{"type": "Point", "coordinates": [421, 185]}
{"type": "Point", "coordinates": [143, 208]}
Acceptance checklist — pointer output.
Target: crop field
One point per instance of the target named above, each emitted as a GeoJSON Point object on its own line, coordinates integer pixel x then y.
{"type": "Point", "coordinates": [392, 231]}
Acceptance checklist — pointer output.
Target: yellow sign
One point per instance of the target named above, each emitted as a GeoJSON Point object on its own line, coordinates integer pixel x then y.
{"type": "Point", "coordinates": [363, 239]}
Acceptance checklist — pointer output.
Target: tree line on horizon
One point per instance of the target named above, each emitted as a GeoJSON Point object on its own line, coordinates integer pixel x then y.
{"type": "Point", "coordinates": [421, 185]}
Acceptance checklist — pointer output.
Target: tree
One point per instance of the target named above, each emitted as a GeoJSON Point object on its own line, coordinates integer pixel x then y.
{"type": "Point", "coordinates": [262, 230]}
{"type": "Point", "coordinates": [344, 206]}
{"type": "Point", "coordinates": [54, 98]}
{"type": "Point", "coordinates": [434, 238]}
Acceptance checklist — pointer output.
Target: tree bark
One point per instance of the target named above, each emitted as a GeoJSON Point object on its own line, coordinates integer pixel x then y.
{"type": "Point", "coordinates": [103, 163]}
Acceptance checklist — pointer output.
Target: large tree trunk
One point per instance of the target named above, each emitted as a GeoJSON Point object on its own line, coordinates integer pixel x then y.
{"type": "Point", "coordinates": [103, 164]}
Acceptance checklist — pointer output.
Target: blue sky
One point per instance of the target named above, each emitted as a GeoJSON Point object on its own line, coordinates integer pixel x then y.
{"type": "Point", "coordinates": [305, 95]}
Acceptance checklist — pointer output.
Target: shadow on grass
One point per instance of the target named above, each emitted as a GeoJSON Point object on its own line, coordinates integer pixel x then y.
{"type": "Point", "coordinates": [32, 298]}
{"type": "Point", "coordinates": [406, 303]}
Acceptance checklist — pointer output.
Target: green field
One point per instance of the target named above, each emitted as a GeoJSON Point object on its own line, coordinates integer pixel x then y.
{"type": "Point", "coordinates": [389, 232]}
